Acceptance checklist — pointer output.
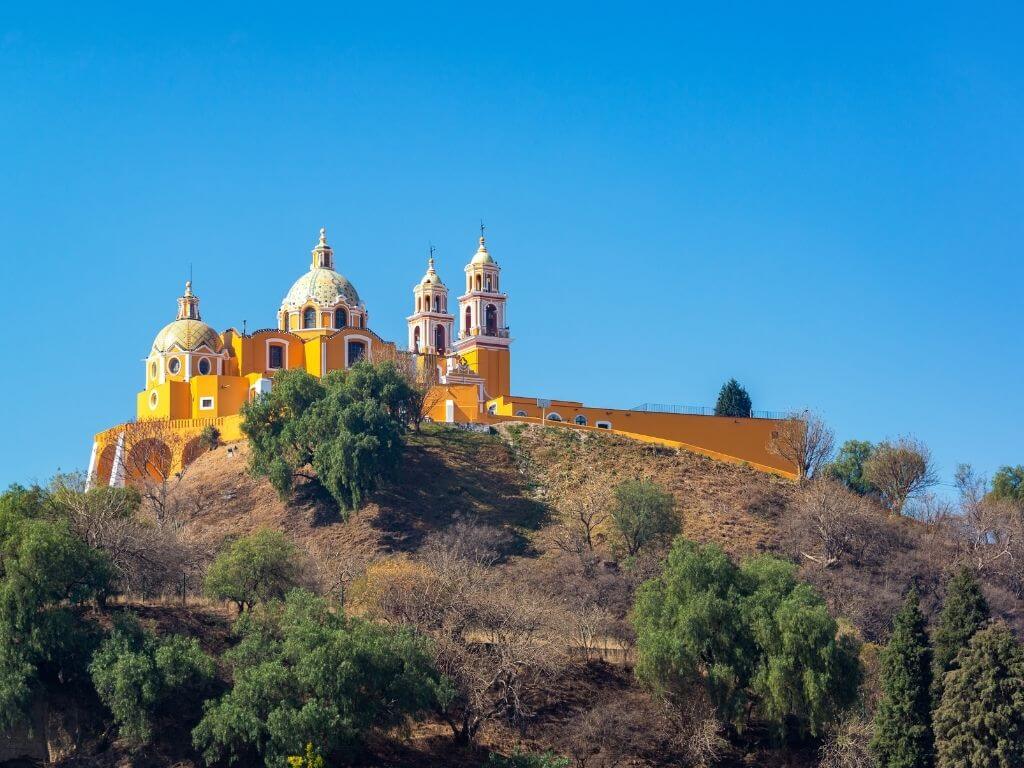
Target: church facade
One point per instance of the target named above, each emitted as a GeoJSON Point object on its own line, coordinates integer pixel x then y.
{"type": "Point", "coordinates": [196, 377]}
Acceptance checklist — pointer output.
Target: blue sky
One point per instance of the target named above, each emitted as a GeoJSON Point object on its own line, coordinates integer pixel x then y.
{"type": "Point", "coordinates": [826, 204]}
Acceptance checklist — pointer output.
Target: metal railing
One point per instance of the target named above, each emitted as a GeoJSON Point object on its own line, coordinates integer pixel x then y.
{"type": "Point", "coordinates": [702, 410]}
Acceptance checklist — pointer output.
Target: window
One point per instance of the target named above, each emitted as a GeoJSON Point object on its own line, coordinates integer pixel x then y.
{"type": "Point", "coordinates": [154, 398]}
{"type": "Point", "coordinates": [603, 425]}
{"type": "Point", "coordinates": [492, 409]}
{"type": "Point", "coordinates": [520, 413]}
{"type": "Point", "coordinates": [437, 303]}
{"type": "Point", "coordinates": [439, 339]}
{"type": "Point", "coordinates": [275, 356]}
{"type": "Point", "coordinates": [469, 319]}
{"type": "Point", "coordinates": [356, 352]}
{"type": "Point", "coordinates": [205, 403]}
{"type": "Point", "coordinates": [204, 366]}
{"type": "Point", "coordinates": [174, 365]}
{"type": "Point", "coordinates": [287, 322]}
{"type": "Point", "coordinates": [416, 340]}
{"type": "Point", "coordinates": [309, 318]}
{"type": "Point", "coordinates": [491, 315]}
{"type": "Point", "coordinates": [581, 420]}
{"type": "Point", "coordinates": [340, 318]}
{"type": "Point", "coordinates": [152, 369]}
{"type": "Point", "coordinates": [478, 286]}
{"type": "Point", "coordinates": [554, 417]}
{"type": "Point", "coordinates": [488, 283]}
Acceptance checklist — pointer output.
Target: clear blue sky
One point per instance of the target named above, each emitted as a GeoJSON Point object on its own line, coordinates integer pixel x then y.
{"type": "Point", "coordinates": [826, 204]}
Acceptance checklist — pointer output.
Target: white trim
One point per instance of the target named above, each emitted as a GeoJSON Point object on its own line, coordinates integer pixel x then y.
{"type": "Point", "coordinates": [188, 367]}
{"type": "Point", "coordinates": [521, 413]}
{"type": "Point", "coordinates": [576, 420]}
{"type": "Point", "coordinates": [117, 473]}
{"type": "Point", "coordinates": [90, 475]}
{"type": "Point", "coordinates": [266, 359]}
{"type": "Point", "coordinates": [449, 411]}
{"type": "Point", "coordinates": [203, 406]}
{"type": "Point", "coordinates": [554, 413]}
{"type": "Point", "coordinates": [359, 337]}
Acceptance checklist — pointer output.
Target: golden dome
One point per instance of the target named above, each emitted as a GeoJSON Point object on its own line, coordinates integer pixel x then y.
{"type": "Point", "coordinates": [482, 256]}
{"type": "Point", "coordinates": [189, 335]}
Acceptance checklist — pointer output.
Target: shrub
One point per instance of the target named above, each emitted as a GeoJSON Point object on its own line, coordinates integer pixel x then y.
{"type": "Point", "coordinates": [527, 760]}
{"type": "Point", "coordinates": [209, 438]}
{"type": "Point", "coordinates": [848, 466]}
{"type": "Point", "coordinates": [757, 640]}
{"type": "Point", "coordinates": [733, 400]}
{"type": "Point", "coordinates": [900, 471]}
{"type": "Point", "coordinates": [140, 678]}
{"type": "Point", "coordinates": [644, 514]}
{"type": "Point", "coordinates": [303, 674]}
{"type": "Point", "coordinates": [1008, 484]}
{"type": "Point", "coordinates": [254, 569]}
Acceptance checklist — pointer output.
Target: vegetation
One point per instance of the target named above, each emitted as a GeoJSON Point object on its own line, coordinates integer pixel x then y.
{"type": "Point", "coordinates": [303, 674]}
{"type": "Point", "coordinates": [848, 466]}
{"type": "Point", "coordinates": [527, 760]}
{"type": "Point", "coordinates": [141, 678]}
{"type": "Point", "coordinates": [643, 514]}
{"type": "Point", "coordinates": [980, 720]}
{"type": "Point", "coordinates": [964, 612]}
{"type": "Point", "coordinates": [1008, 484]}
{"type": "Point", "coordinates": [900, 470]}
{"type": "Point", "coordinates": [805, 441]}
{"type": "Point", "coordinates": [903, 724]}
{"type": "Point", "coordinates": [757, 640]}
{"type": "Point", "coordinates": [254, 569]}
{"type": "Point", "coordinates": [209, 438]}
{"type": "Point", "coordinates": [348, 427]}
{"type": "Point", "coordinates": [733, 400]}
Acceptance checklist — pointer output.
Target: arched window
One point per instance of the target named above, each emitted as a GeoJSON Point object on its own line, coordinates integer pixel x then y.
{"type": "Point", "coordinates": [553, 417]}
{"type": "Point", "coordinates": [437, 303]}
{"type": "Point", "coordinates": [469, 319]}
{"type": "Point", "coordinates": [309, 318]}
{"type": "Point", "coordinates": [439, 339]}
{"type": "Point", "coordinates": [488, 283]}
{"type": "Point", "coordinates": [416, 340]}
{"type": "Point", "coordinates": [491, 315]}
{"type": "Point", "coordinates": [478, 282]}
{"type": "Point", "coordinates": [581, 420]}
{"type": "Point", "coordinates": [520, 413]}
{"type": "Point", "coordinates": [340, 317]}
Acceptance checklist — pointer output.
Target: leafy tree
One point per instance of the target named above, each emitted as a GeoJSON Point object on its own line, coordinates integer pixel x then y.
{"type": "Point", "coordinates": [848, 466]}
{"type": "Point", "coordinates": [256, 568]}
{"type": "Point", "coordinates": [1008, 484]}
{"type": "Point", "coordinates": [643, 513]}
{"type": "Point", "coordinates": [140, 677]}
{"type": "Point", "coordinates": [304, 674]}
{"type": "Point", "coordinates": [733, 400]}
{"type": "Point", "coordinates": [45, 572]}
{"type": "Point", "coordinates": [980, 720]}
{"type": "Point", "coordinates": [760, 642]}
{"type": "Point", "coordinates": [348, 427]}
{"type": "Point", "coordinates": [900, 470]}
{"type": "Point", "coordinates": [903, 723]}
{"type": "Point", "coordinates": [964, 612]}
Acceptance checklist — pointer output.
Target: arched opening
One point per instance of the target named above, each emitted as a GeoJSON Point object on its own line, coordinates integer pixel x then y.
{"type": "Point", "coordinates": [520, 413]}
{"type": "Point", "coordinates": [148, 461]}
{"type": "Point", "coordinates": [581, 420]}
{"type": "Point", "coordinates": [340, 317]}
{"type": "Point", "coordinates": [105, 465]}
{"type": "Point", "coordinates": [491, 320]}
{"type": "Point", "coordinates": [309, 318]}
{"type": "Point", "coordinates": [469, 319]}
{"type": "Point", "coordinates": [487, 282]}
{"type": "Point", "coordinates": [553, 417]}
{"type": "Point", "coordinates": [437, 303]}
{"type": "Point", "coordinates": [439, 339]}
{"type": "Point", "coordinates": [416, 340]}
{"type": "Point", "coordinates": [193, 450]}
{"type": "Point", "coordinates": [478, 282]}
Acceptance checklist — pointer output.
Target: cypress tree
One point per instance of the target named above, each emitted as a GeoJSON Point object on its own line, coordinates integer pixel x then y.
{"type": "Point", "coordinates": [964, 612]}
{"type": "Point", "coordinates": [733, 400]}
{"type": "Point", "coordinates": [903, 729]}
{"type": "Point", "coordinates": [980, 721]}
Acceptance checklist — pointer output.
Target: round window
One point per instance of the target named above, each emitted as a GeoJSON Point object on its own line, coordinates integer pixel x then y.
{"type": "Point", "coordinates": [204, 366]}
{"type": "Point", "coordinates": [174, 365]}
{"type": "Point", "coordinates": [154, 398]}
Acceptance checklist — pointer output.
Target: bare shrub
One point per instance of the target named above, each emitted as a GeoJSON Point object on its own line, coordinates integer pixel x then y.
{"type": "Point", "coordinates": [848, 745]}
{"type": "Point", "coordinates": [805, 441]}
{"type": "Point", "coordinates": [583, 496]}
{"type": "Point", "coordinates": [900, 470]}
{"type": "Point", "coordinates": [826, 522]}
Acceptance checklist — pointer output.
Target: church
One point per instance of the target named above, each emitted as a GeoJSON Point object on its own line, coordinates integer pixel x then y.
{"type": "Point", "coordinates": [197, 377]}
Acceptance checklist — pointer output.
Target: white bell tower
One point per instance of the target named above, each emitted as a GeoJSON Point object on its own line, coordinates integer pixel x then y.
{"type": "Point", "coordinates": [431, 324]}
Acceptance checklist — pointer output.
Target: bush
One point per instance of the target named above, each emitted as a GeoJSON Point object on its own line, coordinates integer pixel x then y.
{"type": "Point", "coordinates": [757, 640]}
{"type": "Point", "coordinates": [1008, 484]}
{"type": "Point", "coordinates": [209, 438]}
{"type": "Point", "coordinates": [303, 674]}
{"type": "Point", "coordinates": [643, 514]}
{"type": "Point", "coordinates": [733, 400]}
{"type": "Point", "coordinates": [527, 760]}
{"type": "Point", "coordinates": [140, 678]}
{"type": "Point", "coordinates": [254, 569]}
{"type": "Point", "coordinates": [848, 466]}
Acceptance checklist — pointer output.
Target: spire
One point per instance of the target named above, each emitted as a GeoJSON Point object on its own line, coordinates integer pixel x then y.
{"type": "Point", "coordinates": [188, 304]}
{"type": "Point", "coordinates": [323, 254]}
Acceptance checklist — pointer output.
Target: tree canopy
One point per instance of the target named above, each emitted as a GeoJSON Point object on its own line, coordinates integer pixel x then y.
{"type": "Point", "coordinates": [254, 569]}
{"type": "Point", "coordinates": [1008, 484]}
{"type": "Point", "coordinates": [643, 513]}
{"type": "Point", "coordinates": [733, 400]}
{"type": "Point", "coordinates": [848, 466]}
{"type": "Point", "coordinates": [964, 612]}
{"type": "Point", "coordinates": [758, 640]}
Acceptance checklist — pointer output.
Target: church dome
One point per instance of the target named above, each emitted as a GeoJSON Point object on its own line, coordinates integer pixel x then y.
{"type": "Point", "coordinates": [189, 335]}
{"type": "Point", "coordinates": [482, 256]}
{"type": "Point", "coordinates": [431, 277]}
{"type": "Point", "coordinates": [323, 286]}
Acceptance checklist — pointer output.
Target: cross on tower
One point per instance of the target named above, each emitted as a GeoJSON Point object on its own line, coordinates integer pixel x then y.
{"type": "Point", "coordinates": [482, 227]}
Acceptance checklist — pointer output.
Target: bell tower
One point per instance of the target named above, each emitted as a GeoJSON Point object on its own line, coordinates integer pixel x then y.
{"type": "Point", "coordinates": [430, 324]}
{"type": "Point", "coordinates": [484, 337]}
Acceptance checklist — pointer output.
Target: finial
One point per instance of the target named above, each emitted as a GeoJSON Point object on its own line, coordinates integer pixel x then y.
{"type": "Point", "coordinates": [323, 235]}
{"type": "Point", "coordinates": [188, 287]}
{"type": "Point", "coordinates": [482, 228]}
{"type": "Point", "coordinates": [430, 259]}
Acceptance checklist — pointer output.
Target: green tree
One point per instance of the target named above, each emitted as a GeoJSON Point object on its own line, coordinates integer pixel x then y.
{"type": "Point", "coordinates": [254, 569]}
{"type": "Point", "coordinates": [45, 572]}
{"type": "Point", "coordinates": [141, 678]}
{"type": "Point", "coordinates": [848, 466]}
{"type": "Point", "coordinates": [980, 720]}
{"type": "Point", "coordinates": [964, 612]}
{"type": "Point", "coordinates": [1008, 484]}
{"type": "Point", "coordinates": [304, 674]}
{"type": "Point", "coordinates": [760, 642]}
{"type": "Point", "coordinates": [527, 760]}
{"type": "Point", "coordinates": [348, 427]}
{"type": "Point", "coordinates": [643, 514]}
{"type": "Point", "coordinates": [903, 724]}
{"type": "Point", "coordinates": [209, 438]}
{"type": "Point", "coordinates": [733, 400]}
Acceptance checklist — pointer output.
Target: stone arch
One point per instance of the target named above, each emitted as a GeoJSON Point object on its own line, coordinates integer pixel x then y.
{"type": "Point", "coordinates": [148, 460]}
{"type": "Point", "coordinates": [105, 465]}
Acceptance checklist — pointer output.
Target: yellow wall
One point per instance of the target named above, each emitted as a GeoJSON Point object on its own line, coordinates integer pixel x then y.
{"type": "Point", "coordinates": [493, 364]}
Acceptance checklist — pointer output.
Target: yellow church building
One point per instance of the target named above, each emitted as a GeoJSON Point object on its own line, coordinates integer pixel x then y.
{"type": "Point", "coordinates": [196, 377]}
